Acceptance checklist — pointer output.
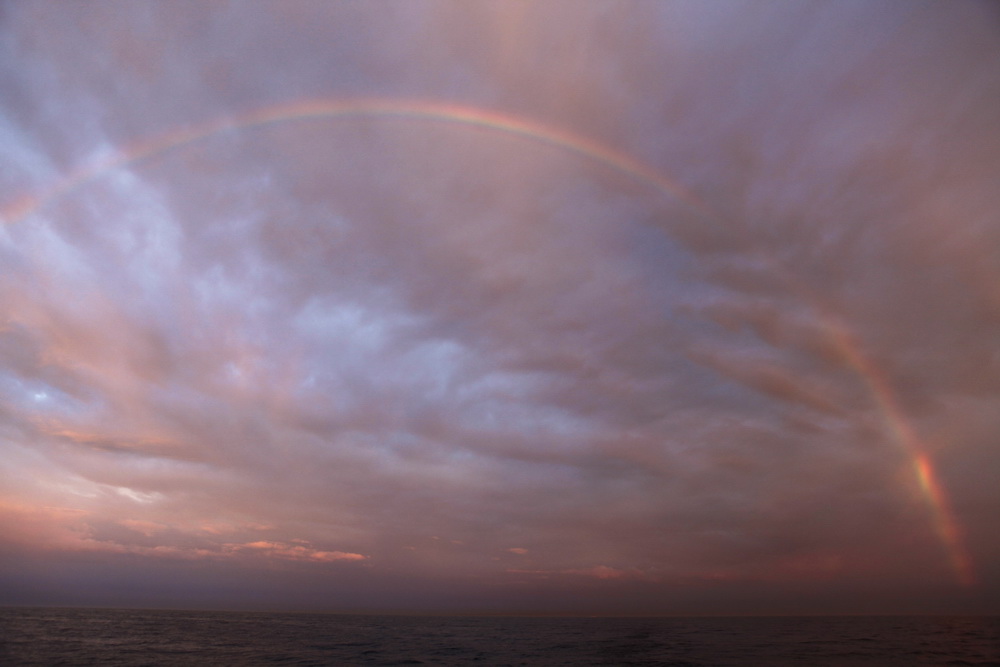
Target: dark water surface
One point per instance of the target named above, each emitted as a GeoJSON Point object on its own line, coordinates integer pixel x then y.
{"type": "Point", "coordinates": [38, 636]}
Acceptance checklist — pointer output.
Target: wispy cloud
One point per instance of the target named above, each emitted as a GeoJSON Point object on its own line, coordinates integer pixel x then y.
{"type": "Point", "coordinates": [386, 348]}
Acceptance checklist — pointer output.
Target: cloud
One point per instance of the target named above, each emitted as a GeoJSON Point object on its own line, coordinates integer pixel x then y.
{"type": "Point", "coordinates": [597, 572]}
{"type": "Point", "coordinates": [329, 340]}
{"type": "Point", "coordinates": [294, 551]}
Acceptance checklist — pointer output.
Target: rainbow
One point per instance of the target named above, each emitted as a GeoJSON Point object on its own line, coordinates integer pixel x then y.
{"type": "Point", "coordinates": [430, 111]}
{"type": "Point", "coordinates": [905, 436]}
{"type": "Point", "coordinates": [849, 349]}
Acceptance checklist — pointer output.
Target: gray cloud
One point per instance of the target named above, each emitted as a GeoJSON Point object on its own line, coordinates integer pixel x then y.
{"type": "Point", "coordinates": [399, 355]}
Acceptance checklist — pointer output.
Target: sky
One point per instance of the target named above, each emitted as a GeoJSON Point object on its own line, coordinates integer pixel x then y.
{"type": "Point", "coordinates": [573, 306]}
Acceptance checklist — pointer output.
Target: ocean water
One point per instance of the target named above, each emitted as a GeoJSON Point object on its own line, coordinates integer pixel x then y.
{"type": "Point", "coordinates": [39, 636]}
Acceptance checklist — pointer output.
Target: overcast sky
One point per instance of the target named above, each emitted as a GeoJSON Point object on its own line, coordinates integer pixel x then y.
{"type": "Point", "coordinates": [564, 306]}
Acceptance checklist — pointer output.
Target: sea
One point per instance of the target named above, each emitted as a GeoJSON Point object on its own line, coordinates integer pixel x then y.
{"type": "Point", "coordinates": [109, 637]}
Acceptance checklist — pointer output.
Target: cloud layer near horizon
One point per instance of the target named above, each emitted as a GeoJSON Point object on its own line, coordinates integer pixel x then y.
{"type": "Point", "coordinates": [378, 362]}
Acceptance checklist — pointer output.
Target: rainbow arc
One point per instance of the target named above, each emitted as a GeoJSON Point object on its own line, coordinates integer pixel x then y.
{"type": "Point", "coordinates": [884, 397]}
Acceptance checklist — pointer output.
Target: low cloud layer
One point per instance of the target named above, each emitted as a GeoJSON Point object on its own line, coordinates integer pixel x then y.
{"type": "Point", "coordinates": [402, 362]}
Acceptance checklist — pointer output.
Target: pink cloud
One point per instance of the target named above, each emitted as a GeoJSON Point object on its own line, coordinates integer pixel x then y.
{"type": "Point", "coordinates": [301, 343]}
{"type": "Point", "coordinates": [596, 572]}
{"type": "Point", "coordinates": [295, 551]}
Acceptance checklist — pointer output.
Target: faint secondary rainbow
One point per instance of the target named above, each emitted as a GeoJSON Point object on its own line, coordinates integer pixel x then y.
{"type": "Point", "coordinates": [532, 130]}
{"type": "Point", "coordinates": [430, 111]}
